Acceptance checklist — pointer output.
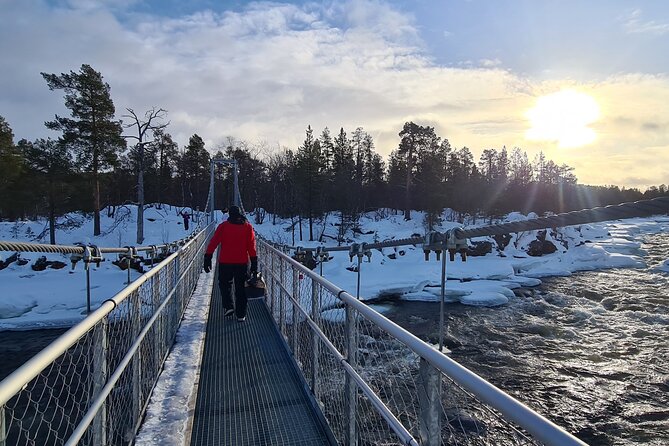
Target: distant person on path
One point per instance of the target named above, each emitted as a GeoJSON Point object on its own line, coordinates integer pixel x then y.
{"type": "Point", "coordinates": [236, 241]}
{"type": "Point", "coordinates": [186, 217]}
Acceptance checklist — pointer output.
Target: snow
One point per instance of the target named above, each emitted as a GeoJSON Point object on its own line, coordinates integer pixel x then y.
{"type": "Point", "coordinates": [35, 299]}
{"type": "Point", "coordinates": [57, 298]}
{"type": "Point", "coordinates": [480, 281]}
{"type": "Point", "coordinates": [173, 399]}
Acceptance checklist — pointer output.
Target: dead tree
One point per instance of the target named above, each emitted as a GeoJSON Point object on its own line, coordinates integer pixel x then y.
{"type": "Point", "coordinates": [150, 123]}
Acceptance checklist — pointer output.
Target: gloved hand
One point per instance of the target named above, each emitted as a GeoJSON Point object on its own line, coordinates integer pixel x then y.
{"type": "Point", "coordinates": [254, 265]}
{"type": "Point", "coordinates": [207, 263]}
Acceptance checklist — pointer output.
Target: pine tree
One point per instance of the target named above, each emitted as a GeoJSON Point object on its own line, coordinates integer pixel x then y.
{"type": "Point", "coordinates": [10, 166]}
{"type": "Point", "coordinates": [520, 167]}
{"type": "Point", "coordinates": [167, 152]}
{"type": "Point", "coordinates": [194, 172]}
{"type": "Point", "coordinates": [92, 133]}
{"type": "Point", "coordinates": [327, 149]}
{"type": "Point", "coordinates": [310, 170]}
{"type": "Point", "coordinates": [53, 161]}
{"type": "Point", "coordinates": [342, 199]}
{"type": "Point", "coordinates": [408, 149]}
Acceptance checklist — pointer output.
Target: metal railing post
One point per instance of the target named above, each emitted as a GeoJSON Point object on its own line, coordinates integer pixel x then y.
{"type": "Point", "coordinates": [272, 279]}
{"type": "Point", "coordinates": [211, 190]}
{"type": "Point", "coordinates": [351, 388]}
{"type": "Point", "coordinates": [429, 399]}
{"type": "Point", "coordinates": [88, 288]}
{"type": "Point", "coordinates": [135, 308]}
{"type": "Point", "coordinates": [282, 281]}
{"type": "Point", "coordinates": [3, 428]}
{"type": "Point", "coordinates": [158, 327]}
{"type": "Point", "coordinates": [99, 428]}
{"type": "Point", "coordinates": [315, 312]}
{"type": "Point", "coordinates": [296, 297]}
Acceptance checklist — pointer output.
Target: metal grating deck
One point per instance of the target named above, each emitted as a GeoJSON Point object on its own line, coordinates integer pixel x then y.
{"type": "Point", "coordinates": [250, 392]}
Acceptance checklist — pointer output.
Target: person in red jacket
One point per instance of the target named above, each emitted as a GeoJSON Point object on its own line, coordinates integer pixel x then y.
{"type": "Point", "coordinates": [237, 242]}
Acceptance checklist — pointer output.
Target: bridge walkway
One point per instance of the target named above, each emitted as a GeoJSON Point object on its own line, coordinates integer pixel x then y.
{"type": "Point", "coordinates": [250, 390]}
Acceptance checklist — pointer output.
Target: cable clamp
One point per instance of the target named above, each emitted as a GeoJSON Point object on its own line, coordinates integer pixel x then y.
{"type": "Point", "coordinates": [357, 250]}
{"type": "Point", "coordinates": [455, 244]}
{"type": "Point", "coordinates": [76, 256]}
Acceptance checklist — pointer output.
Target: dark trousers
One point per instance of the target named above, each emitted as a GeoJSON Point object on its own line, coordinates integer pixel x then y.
{"type": "Point", "coordinates": [227, 274]}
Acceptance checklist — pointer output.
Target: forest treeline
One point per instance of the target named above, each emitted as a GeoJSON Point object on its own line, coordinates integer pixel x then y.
{"type": "Point", "coordinates": [100, 160]}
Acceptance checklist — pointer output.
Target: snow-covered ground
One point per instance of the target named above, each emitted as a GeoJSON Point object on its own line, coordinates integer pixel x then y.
{"type": "Point", "coordinates": [30, 299]}
{"type": "Point", "coordinates": [488, 280]}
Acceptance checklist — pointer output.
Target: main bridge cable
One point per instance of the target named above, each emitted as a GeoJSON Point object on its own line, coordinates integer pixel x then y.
{"type": "Point", "coordinates": [642, 208]}
{"type": "Point", "coordinates": [6, 245]}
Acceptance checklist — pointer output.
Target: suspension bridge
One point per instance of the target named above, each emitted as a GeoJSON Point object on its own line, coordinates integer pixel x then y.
{"type": "Point", "coordinates": [288, 376]}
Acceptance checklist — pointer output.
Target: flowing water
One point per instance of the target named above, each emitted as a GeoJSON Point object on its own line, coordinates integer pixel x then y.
{"type": "Point", "coordinates": [590, 351]}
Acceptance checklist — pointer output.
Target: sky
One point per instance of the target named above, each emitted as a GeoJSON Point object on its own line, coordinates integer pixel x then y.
{"type": "Point", "coordinates": [587, 83]}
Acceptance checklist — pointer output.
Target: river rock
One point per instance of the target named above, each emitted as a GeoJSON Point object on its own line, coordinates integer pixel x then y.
{"type": "Point", "coordinates": [479, 249]}
{"type": "Point", "coordinates": [538, 248]}
{"type": "Point", "coordinates": [40, 264]}
{"type": "Point", "coordinates": [14, 257]}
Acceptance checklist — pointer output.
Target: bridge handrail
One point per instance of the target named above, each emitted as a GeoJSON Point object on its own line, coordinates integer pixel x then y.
{"type": "Point", "coordinates": [537, 425]}
{"type": "Point", "coordinates": [34, 366]}
{"type": "Point", "coordinates": [141, 319]}
{"type": "Point", "coordinates": [386, 413]}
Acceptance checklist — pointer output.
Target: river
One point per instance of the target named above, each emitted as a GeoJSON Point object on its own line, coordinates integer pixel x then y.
{"type": "Point", "coordinates": [589, 351]}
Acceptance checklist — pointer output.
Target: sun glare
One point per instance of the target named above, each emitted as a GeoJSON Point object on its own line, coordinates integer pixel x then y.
{"type": "Point", "coordinates": [563, 117]}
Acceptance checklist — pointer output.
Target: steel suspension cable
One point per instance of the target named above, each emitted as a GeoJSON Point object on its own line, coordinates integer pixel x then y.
{"type": "Point", "coordinates": [642, 208]}
{"type": "Point", "coordinates": [6, 245]}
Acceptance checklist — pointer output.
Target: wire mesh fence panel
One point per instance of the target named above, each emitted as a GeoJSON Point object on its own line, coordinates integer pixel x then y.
{"type": "Point", "coordinates": [400, 398]}
{"type": "Point", "coordinates": [50, 408]}
{"type": "Point", "coordinates": [332, 401]}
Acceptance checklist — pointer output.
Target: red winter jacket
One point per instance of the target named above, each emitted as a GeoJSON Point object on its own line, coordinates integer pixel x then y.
{"type": "Point", "coordinates": [237, 241]}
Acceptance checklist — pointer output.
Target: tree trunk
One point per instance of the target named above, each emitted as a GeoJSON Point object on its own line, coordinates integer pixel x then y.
{"type": "Point", "coordinates": [407, 198]}
{"type": "Point", "coordinates": [311, 228]}
{"type": "Point", "coordinates": [96, 204]}
{"type": "Point", "coordinates": [140, 206]}
{"type": "Point", "coordinates": [300, 223]}
{"type": "Point", "coordinates": [52, 214]}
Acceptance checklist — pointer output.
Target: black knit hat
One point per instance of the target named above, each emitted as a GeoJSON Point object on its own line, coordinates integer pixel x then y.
{"type": "Point", "coordinates": [234, 211]}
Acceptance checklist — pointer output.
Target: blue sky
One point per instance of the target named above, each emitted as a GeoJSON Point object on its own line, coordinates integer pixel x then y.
{"type": "Point", "coordinates": [263, 71]}
{"type": "Point", "coordinates": [535, 37]}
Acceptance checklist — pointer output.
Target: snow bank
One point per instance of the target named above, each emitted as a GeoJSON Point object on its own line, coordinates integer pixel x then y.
{"type": "Point", "coordinates": [57, 298]}
{"type": "Point", "coordinates": [488, 280]}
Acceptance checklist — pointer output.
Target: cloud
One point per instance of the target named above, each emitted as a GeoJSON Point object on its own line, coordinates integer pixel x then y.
{"type": "Point", "coordinates": [633, 24]}
{"type": "Point", "coordinates": [271, 69]}
{"type": "Point", "coordinates": [489, 63]}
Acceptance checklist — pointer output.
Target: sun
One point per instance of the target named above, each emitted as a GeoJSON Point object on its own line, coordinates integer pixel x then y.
{"type": "Point", "coordinates": [563, 117]}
